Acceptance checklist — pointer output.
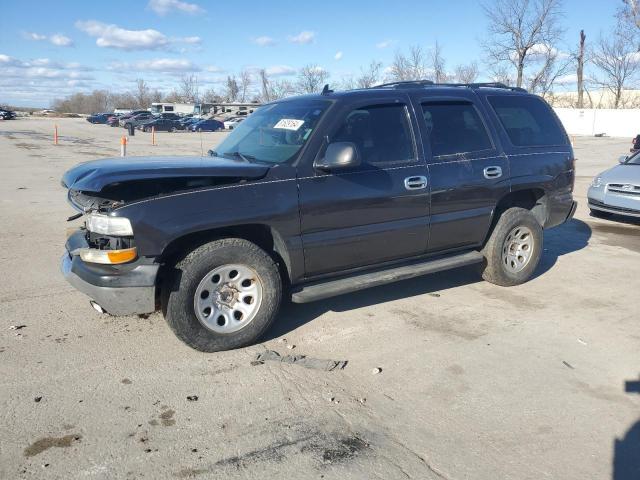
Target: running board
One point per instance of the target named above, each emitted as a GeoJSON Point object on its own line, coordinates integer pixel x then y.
{"type": "Point", "coordinates": [331, 288]}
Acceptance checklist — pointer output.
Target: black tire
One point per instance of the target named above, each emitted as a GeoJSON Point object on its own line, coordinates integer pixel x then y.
{"type": "Point", "coordinates": [178, 294]}
{"type": "Point", "coordinates": [144, 129]}
{"type": "Point", "coordinates": [600, 213]}
{"type": "Point", "coordinates": [496, 268]}
{"type": "Point", "coordinates": [172, 129]}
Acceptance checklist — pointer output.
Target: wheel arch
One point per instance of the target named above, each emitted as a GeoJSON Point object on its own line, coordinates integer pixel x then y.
{"type": "Point", "coordinates": [534, 199]}
{"type": "Point", "coordinates": [264, 236]}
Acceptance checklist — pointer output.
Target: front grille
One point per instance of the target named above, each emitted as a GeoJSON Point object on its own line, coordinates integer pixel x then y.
{"type": "Point", "coordinates": [624, 189]}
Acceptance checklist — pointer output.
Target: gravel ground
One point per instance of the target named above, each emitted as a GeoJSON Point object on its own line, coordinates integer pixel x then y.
{"type": "Point", "coordinates": [448, 377]}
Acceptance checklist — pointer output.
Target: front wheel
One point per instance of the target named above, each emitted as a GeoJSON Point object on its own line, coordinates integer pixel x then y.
{"type": "Point", "coordinates": [514, 248]}
{"type": "Point", "coordinates": [224, 295]}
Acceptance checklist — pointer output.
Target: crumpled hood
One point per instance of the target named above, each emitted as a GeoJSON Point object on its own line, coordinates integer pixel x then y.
{"type": "Point", "coordinates": [93, 176]}
{"type": "Point", "coordinates": [622, 174]}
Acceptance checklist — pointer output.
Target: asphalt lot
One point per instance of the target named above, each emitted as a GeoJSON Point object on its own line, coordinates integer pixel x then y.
{"type": "Point", "coordinates": [476, 381]}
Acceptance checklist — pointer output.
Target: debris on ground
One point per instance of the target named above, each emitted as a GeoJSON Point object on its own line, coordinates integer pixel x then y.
{"type": "Point", "coordinates": [37, 399]}
{"type": "Point", "coordinates": [376, 371]}
{"type": "Point", "coordinates": [16, 327]}
{"type": "Point", "coordinates": [301, 360]}
{"type": "Point", "coordinates": [291, 347]}
{"type": "Point", "coordinates": [568, 365]}
{"type": "Point", "coordinates": [437, 295]}
{"type": "Point", "coordinates": [192, 398]}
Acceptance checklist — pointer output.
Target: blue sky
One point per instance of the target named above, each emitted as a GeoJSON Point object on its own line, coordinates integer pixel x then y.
{"type": "Point", "coordinates": [51, 49]}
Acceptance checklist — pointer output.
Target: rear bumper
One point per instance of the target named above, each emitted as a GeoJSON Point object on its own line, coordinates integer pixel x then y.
{"type": "Point", "coordinates": [561, 209]}
{"type": "Point", "coordinates": [126, 289]}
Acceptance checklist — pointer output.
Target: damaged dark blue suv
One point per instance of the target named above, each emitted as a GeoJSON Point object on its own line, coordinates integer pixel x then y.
{"type": "Point", "coordinates": [321, 195]}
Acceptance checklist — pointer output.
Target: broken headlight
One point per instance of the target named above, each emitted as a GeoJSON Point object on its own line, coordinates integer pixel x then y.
{"type": "Point", "coordinates": [106, 225]}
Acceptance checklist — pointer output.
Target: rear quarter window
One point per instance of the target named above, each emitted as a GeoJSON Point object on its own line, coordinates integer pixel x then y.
{"type": "Point", "coordinates": [528, 121]}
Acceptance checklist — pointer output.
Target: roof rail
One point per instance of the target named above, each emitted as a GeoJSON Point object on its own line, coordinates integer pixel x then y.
{"type": "Point", "coordinates": [406, 83]}
{"type": "Point", "coordinates": [429, 83]}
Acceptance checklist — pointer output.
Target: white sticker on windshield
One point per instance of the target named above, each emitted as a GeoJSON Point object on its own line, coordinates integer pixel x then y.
{"type": "Point", "coordinates": [289, 124]}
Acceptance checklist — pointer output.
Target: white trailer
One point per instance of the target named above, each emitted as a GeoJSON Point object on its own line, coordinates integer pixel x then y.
{"type": "Point", "coordinates": [179, 108]}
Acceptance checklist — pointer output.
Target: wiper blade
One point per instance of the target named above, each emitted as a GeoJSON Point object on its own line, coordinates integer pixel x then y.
{"type": "Point", "coordinates": [242, 156]}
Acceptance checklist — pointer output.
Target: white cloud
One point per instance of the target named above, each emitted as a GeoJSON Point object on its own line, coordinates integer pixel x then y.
{"type": "Point", "coordinates": [191, 40]}
{"type": "Point", "coordinates": [163, 65]}
{"type": "Point", "coordinates": [264, 41]}
{"type": "Point", "coordinates": [162, 7]}
{"type": "Point", "coordinates": [303, 37]}
{"type": "Point", "coordinates": [568, 79]}
{"type": "Point", "coordinates": [214, 69]}
{"type": "Point", "coordinates": [338, 55]}
{"type": "Point", "coordinates": [35, 36]}
{"type": "Point", "coordinates": [384, 44]}
{"type": "Point", "coordinates": [58, 39]}
{"type": "Point", "coordinates": [280, 70]}
{"type": "Point", "coordinates": [61, 40]}
{"type": "Point", "coordinates": [112, 36]}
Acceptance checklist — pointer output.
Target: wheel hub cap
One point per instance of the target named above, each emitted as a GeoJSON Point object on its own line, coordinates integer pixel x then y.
{"type": "Point", "coordinates": [517, 249]}
{"type": "Point", "coordinates": [228, 298]}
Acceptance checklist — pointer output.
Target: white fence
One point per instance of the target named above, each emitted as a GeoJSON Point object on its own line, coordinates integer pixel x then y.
{"type": "Point", "coordinates": [613, 123]}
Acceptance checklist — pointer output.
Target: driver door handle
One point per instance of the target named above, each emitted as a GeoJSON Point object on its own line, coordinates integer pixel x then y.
{"type": "Point", "coordinates": [415, 183]}
{"type": "Point", "coordinates": [492, 172]}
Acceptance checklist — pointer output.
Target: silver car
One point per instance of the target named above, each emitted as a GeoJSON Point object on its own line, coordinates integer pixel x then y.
{"type": "Point", "coordinates": [617, 190]}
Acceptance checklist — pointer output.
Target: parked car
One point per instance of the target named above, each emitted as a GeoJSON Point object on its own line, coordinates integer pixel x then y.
{"type": "Point", "coordinates": [136, 120]}
{"type": "Point", "coordinates": [617, 190]}
{"type": "Point", "coordinates": [7, 114]}
{"type": "Point", "coordinates": [127, 116]}
{"type": "Point", "coordinates": [322, 195]}
{"type": "Point", "coordinates": [161, 125]}
{"type": "Point", "coordinates": [231, 123]}
{"type": "Point", "coordinates": [99, 117]}
{"type": "Point", "coordinates": [114, 121]}
{"type": "Point", "coordinates": [208, 125]}
{"type": "Point", "coordinates": [169, 116]}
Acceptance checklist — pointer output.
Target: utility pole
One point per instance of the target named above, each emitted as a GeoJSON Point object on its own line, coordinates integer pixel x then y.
{"type": "Point", "coordinates": [580, 72]}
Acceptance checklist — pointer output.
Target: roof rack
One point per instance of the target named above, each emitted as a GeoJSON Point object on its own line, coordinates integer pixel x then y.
{"type": "Point", "coordinates": [429, 83]}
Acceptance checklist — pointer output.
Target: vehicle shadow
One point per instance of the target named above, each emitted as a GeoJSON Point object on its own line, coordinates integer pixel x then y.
{"type": "Point", "coordinates": [626, 452]}
{"type": "Point", "coordinates": [567, 238]}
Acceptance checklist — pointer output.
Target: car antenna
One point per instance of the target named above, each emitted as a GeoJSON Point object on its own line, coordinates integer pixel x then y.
{"type": "Point", "coordinates": [326, 90]}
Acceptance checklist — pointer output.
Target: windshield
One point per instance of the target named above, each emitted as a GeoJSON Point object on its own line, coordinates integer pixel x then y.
{"type": "Point", "coordinates": [275, 133]}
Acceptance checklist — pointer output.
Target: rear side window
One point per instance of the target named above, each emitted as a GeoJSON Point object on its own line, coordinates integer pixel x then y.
{"type": "Point", "coordinates": [527, 120]}
{"type": "Point", "coordinates": [455, 128]}
{"type": "Point", "coordinates": [381, 132]}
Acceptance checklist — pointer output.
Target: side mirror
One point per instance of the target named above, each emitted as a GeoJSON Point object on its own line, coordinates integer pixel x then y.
{"type": "Point", "coordinates": [623, 158]}
{"type": "Point", "coordinates": [339, 156]}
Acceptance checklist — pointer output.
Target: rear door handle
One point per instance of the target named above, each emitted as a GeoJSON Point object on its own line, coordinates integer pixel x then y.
{"type": "Point", "coordinates": [492, 172]}
{"type": "Point", "coordinates": [415, 183]}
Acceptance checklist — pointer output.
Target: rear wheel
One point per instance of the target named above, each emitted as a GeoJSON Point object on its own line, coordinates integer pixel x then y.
{"type": "Point", "coordinates": [172, 129]}
{"type": "Point", "coordinates": [514, 248]}
{"type": "Point", "coordinates": [225, 295]}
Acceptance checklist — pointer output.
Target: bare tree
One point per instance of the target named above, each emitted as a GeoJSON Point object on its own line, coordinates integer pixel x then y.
{"type": "Point", "coordinates": [500, 74]}
{"type": "Point", "coordinates": [630, 12]}
{"type": "Point", "coordinates": [265, 86]}
{"type": "Point", "coordinates": [155, 96]}
{"type": "Point", "coordinates": [281, 89]}
{"type": "Point", "coordinates": [437, 65]}
{"type": "Point", "coordinates": [211, 96]}
{"type": "Point", "coordinates": [550, 65]}
{"type": "Point", "coordinates": [189, 91]}
{"type": "Point", "coordinates": [369, 76]}
{"type": "Point", "coordinates": [467, 73]}
{"type": "Point", "coordinates": [311, 78]}
{"type": "Point", "coordinates": [245, 83]}
{"type": "Point", "coordinates": [409, 67]}
{"type": "Point", "coordinates": [580, 69]}
{"type": "Point", "coordinates": [142, 93]}
{"type": "Point", "coordinates": [517, 28]}
{"type": "Point", "coordinates": [231, 89]}
{"type": "Point", "coordinates": [618, 62]}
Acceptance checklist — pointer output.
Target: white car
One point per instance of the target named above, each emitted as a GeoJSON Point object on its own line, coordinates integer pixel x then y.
{"type": "Point", "coordinates": [617, 190]}
{"type": "Point", "coordinates": [231, 123]}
